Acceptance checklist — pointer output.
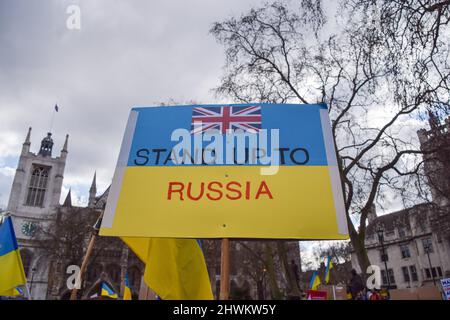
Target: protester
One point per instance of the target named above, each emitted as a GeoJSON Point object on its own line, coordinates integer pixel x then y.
{"type": "Point", "coordinates": [385, 295]}
{"type": "Point", "coordinates": [375, 295]}
{"type": "Point", "coordinates": [356, 286]}
{"type": "Point", "coordinates": [349, 293]}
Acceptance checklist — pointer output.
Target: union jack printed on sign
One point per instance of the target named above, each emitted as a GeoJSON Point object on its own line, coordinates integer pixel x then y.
{"type": "Point", "coordinates": [226, 118]}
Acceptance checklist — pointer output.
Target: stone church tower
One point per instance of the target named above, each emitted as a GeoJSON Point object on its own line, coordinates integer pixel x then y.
{"type": "Point", "coordinates": [34, 198]}
{"type": "Point", "coordinates": [437, 162]}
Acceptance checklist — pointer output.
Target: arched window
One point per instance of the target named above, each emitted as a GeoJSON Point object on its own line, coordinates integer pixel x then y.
{"type": "Point", "coordinates": [114, 273]}
{"type": "Point", "coordinates": [38, 186]}
{"type": "Point", "coordinates": [27, 258]}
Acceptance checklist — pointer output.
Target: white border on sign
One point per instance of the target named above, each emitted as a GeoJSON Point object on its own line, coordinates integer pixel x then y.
{"type": "Point", "coordinates": [122, 162]}
{"type": "Point", "coordinates": [333, 168]}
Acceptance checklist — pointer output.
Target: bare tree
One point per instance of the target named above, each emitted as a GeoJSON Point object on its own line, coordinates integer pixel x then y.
{"type": "Point", "coordinates": [64, 240]}
{"type": "Point", "coordinates": [370, 84]}
{"type": "Point", "coordinates": [340, 252]}
{"type": "Point", "coordinates": [260, 263]}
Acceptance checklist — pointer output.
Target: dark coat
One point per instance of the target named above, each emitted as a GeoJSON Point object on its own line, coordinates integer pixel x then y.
{"type": "Point", "coordinates": [356, 285]}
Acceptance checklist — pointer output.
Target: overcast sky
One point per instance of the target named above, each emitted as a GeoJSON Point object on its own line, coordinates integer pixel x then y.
{"type": "Point", "coordinates": [126, 53]}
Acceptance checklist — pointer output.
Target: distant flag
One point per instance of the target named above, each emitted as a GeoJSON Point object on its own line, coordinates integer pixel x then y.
{"type": "Point", "coordinates": [56, 108]}
{"type": "Point", "coordinates": [108, 292]}
{"type": "Point", "coordinates": [11, 267]}
{"type": "Point", "coordinates": [327, 270]}
{"type": "Point", "coordinates": [18, 291]}
{"type": "Point", "coordinates": [127, 291]}
{"type": "Point", "coordinates": [315, 281]}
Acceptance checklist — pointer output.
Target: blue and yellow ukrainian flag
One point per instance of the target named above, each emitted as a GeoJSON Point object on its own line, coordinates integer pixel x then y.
{"type": "Point", "coordinates": [108, 292]}
{"type": "Point", "coordinates": [127, 290]}
{"type": "Point", "coordinates": [174, 268]}
{"type": "Point", "coordinates": [327, 270]}
{"type": "Point", "coordinates": [11, 268]}
{"type": "Point", "coordinates": [315, 281]}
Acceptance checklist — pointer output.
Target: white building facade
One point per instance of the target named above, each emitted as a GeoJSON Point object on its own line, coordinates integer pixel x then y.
{"type": "Point", "coordinates": [415, 255]}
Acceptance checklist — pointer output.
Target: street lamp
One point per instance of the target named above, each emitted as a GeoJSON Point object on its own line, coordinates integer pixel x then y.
{"type": "Point", "coordinates": [380, 233]}
{"type": "Point", "coordinates": [427, 248]}
{"type": "Point", "coordinates": [264, 283]}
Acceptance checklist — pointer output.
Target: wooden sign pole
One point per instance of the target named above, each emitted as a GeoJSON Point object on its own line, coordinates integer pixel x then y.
{"type": "Point", "coordinates": [73, 294]}
{"type": "Point", "coordinates": [225, 270]}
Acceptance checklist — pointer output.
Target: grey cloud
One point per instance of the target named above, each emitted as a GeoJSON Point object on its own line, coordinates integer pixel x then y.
{"type": "Point", "coordinates": [126, 53]}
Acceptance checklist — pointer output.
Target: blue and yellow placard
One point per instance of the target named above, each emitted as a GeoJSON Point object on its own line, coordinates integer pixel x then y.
{"type": "Point", "coordinates": [227, 171]}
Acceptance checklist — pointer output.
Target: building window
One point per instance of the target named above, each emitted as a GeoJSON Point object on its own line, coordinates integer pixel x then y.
{"type": "Point", "coordinates": [26, 257]}
{"type": "Point", "coordinates": [383, 277]}
{"type": "Point", "coordinates": [134, 277]}
{"type": "Point", "coordinates": [405, 251]}
{"type": "Point", "coordinates": [402, 232]}
{"type": "Point", "coordinates": [37, 187]}
{"type": "Point", "coordinates": [435, 272]}
{"type": "Point", "coordinates": [391, 277]}
{"type": "Point", "coordinates": [390, 234]}
{"type": "Point", "coordinates": [114, 273]}
{"type": "Point", "coordinates": [413, 272]}
{"type": "Point", "coordinates": [427, 244]}
{"type": "Point", "coordinates": [406, 274]}
{"type": "Point", "coordinates": [384, 257]}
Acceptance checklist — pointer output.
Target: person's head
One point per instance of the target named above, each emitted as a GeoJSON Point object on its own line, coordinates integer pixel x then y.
{"type": "Point", "coordinates": [354, 273]}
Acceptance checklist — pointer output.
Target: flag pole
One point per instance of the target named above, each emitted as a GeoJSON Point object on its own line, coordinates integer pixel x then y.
{"type": "Point", "coordinates": [225, 270]}
{"type": "Point", "coordinates": [73, 295]}
{"type": "Point", "coordinates": [55, 109]}
{"type": "Point", "coordinates": [28, 291]}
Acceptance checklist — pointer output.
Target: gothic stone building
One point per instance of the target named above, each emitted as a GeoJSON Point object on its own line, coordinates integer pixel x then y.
{"type": "Point", "coordinates": [417, 239]}
{"type": "Point", "coordinates": [53, 237]}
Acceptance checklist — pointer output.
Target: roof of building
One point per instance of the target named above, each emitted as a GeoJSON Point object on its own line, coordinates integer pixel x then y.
{"type": "Point", "coordinates": [394, 219]}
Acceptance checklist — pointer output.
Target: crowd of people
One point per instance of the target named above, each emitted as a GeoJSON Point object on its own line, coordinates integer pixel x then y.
{"type": "Point", "coordinates": [356, 290]}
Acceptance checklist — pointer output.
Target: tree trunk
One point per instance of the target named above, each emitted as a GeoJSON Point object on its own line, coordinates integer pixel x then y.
{"type": "Point", "coordinates": [260, 289]}
{"type": "Point", "coordinates": [274, 289]}
{"type": "Point", "coordinates": [361, 252]}
{"type": "Point", "coordinates": [293, 289]}
{"type": "Point", "coordinates": [356, 239]}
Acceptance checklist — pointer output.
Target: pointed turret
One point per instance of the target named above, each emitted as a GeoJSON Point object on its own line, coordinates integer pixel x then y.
{"type": "Point", "coordinates": [64, 149]}
{"type": "Point", "coordinates": [93, 191]}
{"type": "Point", "coordinates": [68, 201]}
{"type": "Point", "coordinates": [46, 146]}
{"type": "Point", "coordinates": [433, 120]}
{"type": "Point", "coordinates": [27, 143]}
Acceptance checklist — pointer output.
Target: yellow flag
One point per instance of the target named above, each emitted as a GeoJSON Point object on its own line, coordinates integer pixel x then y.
{"type": "Point", "coordinates": [327, 270]}
{"type": "Point", "coordinates": [15, 292]}
{"type": "Point", "coordinates": [315, 281]}
{"type": "Point", "coordinates": [127, 292]}
{"type": "Point", "coordinates": [174, 268]}
{"type": "Point", "coordinates": [11, 268]}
